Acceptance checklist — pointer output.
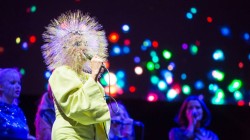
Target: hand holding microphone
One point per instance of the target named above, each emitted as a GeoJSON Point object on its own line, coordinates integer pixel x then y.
{"type": "Point", "coordinates": [194, 115]}
{"type": "Point", "coordinates": [192, 122]}
{"type": "Point", "coordinates": [96, 65]}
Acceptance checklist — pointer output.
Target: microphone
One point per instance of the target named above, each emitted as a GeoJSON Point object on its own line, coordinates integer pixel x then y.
{"type": "Point", "coordinates": [89, 57]}
{"type": "Point", "coordinates": [137, 123]}
{"type": "Point", "coordinates": [195, 115]}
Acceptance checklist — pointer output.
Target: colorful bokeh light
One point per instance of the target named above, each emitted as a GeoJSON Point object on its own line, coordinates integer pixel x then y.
{"type": "Point", "coordinates": [113, 37]}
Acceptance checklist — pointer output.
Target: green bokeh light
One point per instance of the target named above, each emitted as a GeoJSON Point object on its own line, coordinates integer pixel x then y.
{"type": "Point", "coordinates": [33, 8]}
{"type": "Point", "coordinates": [150, 66]}
{"type": "Point", "coordinates": [236, 84]}
{"type": "Point", "coordinates": [193, 49]}
{"type": "Point", "coordinates": [167, 54]}
{"type": "Point", "coordinates": [22, 71]}
{"type": "Point", "coordinates": [186, 89]}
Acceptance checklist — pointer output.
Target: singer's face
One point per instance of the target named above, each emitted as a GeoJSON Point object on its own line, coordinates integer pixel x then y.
{"type": "Point", "coordinates": [194, 110]}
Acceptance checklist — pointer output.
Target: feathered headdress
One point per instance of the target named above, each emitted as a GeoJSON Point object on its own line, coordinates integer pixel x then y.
{"type": "Point", "coordinates": [69, 38]}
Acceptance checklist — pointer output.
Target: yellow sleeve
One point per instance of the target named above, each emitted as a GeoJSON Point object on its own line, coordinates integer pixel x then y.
{"type": "Point", "coordinates": [82, 102]}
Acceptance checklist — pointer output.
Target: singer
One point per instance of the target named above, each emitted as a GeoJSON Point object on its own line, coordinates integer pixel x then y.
{"type": "Point", "coordinates": [193, 118]}
{"type": "Point", "coordinates": [81, 109]}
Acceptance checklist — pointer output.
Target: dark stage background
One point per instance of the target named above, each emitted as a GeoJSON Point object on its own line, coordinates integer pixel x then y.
{"type": "Point", "coordinates": [179, 27]}
{"type": "Point", "coordinates": [208, 43]}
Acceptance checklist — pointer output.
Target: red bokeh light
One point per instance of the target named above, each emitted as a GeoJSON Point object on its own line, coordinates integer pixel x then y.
{"type": "Point", "coordinates": [1, 49]}
{"type": "Point", "coordinates": [32, 39]}
{"type": "Point", "coordinates": [209, 19]}
{"type": "Point", "coordinates": [28, 10]}
{"type": "Point", "coordinates": [114, 37]}
{"type": "Point", "coordinates": [177, 88]}
{"type": "Point", "coordinates": [155, 44]}
{"type": "Point", "coordinates": [126, 42]}
{"type": "Point", "coordinates": [197, 43]}
{"type": "Point", "coordinates": [241, 103]}
{"type": "Point", "coordinates": [107, 64]}
{"type": "Point", "coordinates": [241, 65]}
{"type": "Point", "coordinates": [132, 89]}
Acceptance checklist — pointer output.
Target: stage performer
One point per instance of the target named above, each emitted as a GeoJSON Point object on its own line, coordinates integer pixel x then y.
{"type": "Point", "coordinates": [75, 50]}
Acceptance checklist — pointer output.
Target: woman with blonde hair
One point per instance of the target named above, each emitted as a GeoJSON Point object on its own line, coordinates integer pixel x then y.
{"type": "Point", "coordinates": [13, 125]}
{"type": "Point", "coordinates": [75, 50]}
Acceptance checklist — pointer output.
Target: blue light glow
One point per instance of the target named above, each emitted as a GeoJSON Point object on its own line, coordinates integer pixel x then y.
{"type": "Point", "coordinates": [225, 31]}
{"type": "Point", "coordinates": [137, 59]}
{"type": "Point", "coordinates": [189, 15]}
{"type": "Point", "coordinates": [120, 74]}
{"type": "Point", "coordinates": [126, 50]}
{"type": "Point", "coordinates": [25, 46]}
{"type": "Point", "coordinates": [199, 85]}
{"type": "Point", "coordinates": [47, 74]}
{"type": "Point", "coordinates": [116, 50]}
{"type": "Point", "coordinates": [218, 55]}
{"type": "Point", "coordinates": [183, 76]}
{"type": "Point", "coordinates": [125, 28]}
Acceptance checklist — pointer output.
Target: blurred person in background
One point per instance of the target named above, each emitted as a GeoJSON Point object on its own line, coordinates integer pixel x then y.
{"type": "Point", "coordinates": [45, 116]}
{"type": "Point", "coordinates": [13, 125]}
{"type": "Point", "coordinates": [193, 119]}
{"type": "Point", "coordinates": [122, 126]}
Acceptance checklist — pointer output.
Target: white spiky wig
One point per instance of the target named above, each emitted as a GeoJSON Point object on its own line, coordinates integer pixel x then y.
{"type": "Point", "coordinates": [69, 38]}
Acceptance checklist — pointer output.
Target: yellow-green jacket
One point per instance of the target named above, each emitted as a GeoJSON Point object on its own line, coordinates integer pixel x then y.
{"type": "Point", "coordinates": [81, 109]}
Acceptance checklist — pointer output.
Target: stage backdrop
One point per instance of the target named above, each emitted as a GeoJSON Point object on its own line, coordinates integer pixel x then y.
{"type": "Point", "coordinates": [159, 50]}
